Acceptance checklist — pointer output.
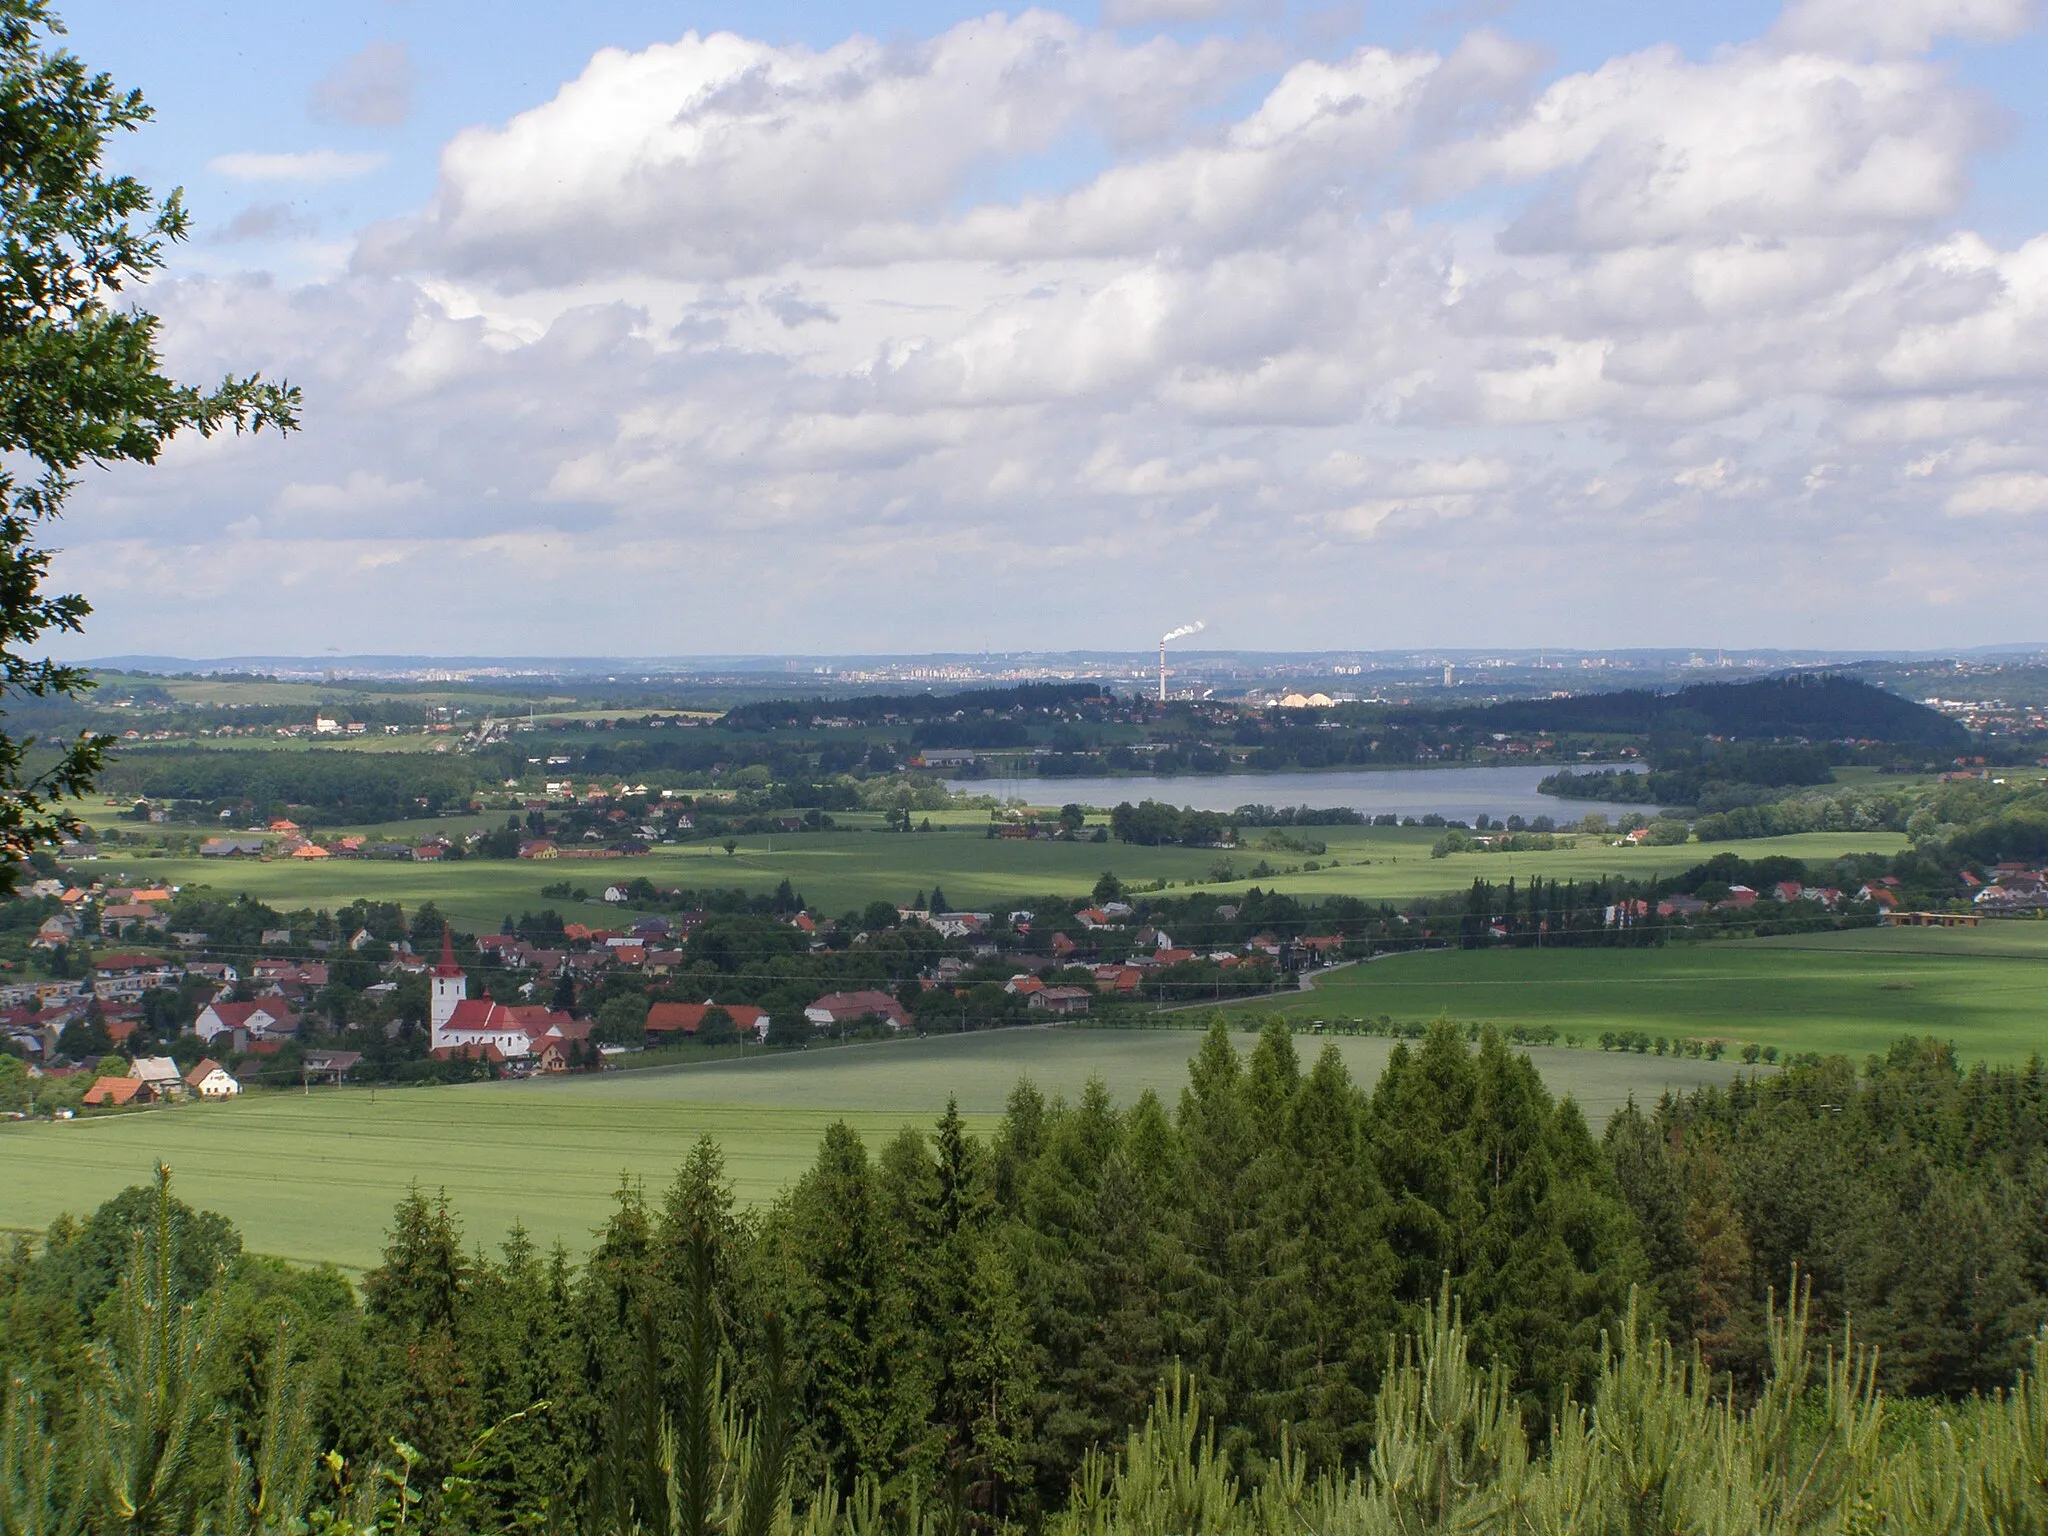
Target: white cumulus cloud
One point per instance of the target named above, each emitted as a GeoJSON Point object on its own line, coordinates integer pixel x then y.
{"type": "Point", "coordinates": [984, 335]}
{"type": "Point", "coordinates": [302, 165]}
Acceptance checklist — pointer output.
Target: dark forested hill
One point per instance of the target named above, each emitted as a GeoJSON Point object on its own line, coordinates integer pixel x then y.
{"type": "Point", "coordinates": [876, 708]}
{"type": "Point", "coordinates": [1815, 706]}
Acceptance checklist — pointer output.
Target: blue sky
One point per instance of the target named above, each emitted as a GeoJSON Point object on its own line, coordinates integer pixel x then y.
{"type": "Point", "coordinates": [931, 326]}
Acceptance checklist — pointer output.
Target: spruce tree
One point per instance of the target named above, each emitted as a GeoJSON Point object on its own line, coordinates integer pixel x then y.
{"type": "Point", "coordinates": [1335, 1305]}
{"type": "Point", "coordinates": [413, 1306]}
{"type": "Point", "coordinates": [858, 1378]}
{"type": "Point", "coordinates": [1212, 1319]}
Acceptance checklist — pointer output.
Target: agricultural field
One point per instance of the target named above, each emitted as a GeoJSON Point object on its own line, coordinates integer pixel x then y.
{"type": "Point", "coordinates": [314, 1177]}
{"type": "Point", "coordinates": [841, 870]}
{"type": "Point", "coordinates": [1983, 989]}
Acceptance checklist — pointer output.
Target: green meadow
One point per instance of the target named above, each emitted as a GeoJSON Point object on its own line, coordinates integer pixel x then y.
{"type": "Point", "coordinates": [842, 870]}
{"type": "Point", "coordinates": [314, 1177]}
{"type": "Point", "coordinates": [1984, 989]}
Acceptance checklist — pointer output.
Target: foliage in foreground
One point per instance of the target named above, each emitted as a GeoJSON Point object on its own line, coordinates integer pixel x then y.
{"type": "Point", "coordinates": [951, 1332]}
{"type": "Point", "coordinates": [1654, 1448]}
{"type": "Point", "coordinates": [80, 381]}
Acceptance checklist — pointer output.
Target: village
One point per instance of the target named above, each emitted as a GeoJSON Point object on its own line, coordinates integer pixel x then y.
{"type": "Point", "coordinates": [148, 1010]}
{"type": "Point", "coordinates": [529, 1006]}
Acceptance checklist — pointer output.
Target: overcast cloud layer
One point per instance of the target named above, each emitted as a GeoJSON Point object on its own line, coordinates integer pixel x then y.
{"type": "Point", "coordinates": [731, 347]}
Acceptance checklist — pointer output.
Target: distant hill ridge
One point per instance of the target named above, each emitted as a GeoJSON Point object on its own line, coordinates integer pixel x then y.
{"type": "Point", "coordinates": [1818, 706]}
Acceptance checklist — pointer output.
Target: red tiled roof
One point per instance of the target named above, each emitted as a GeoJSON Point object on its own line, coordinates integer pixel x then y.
{"type": "Point", "coordinates": [688, 1018]}
{"type": "Point", "coordinates": [480, 1013]}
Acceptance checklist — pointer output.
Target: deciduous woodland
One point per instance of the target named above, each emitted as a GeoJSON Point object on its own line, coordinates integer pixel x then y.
{"type": "Point", "coordinates": [1814, 1302]}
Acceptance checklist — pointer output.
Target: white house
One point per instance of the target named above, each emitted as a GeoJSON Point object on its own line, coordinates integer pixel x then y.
{"type": "Point", "coordinates": [253, 1021]}
{"type": "Point", "coordinates": [210, 1080]}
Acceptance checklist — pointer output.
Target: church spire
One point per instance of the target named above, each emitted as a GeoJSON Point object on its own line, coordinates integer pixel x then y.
{"type": "Point", "coordinates": [449, 988]}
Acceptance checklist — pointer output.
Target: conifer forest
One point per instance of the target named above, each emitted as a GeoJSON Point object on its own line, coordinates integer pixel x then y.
{"type": "Point", "coordinates": [1289, 1302]}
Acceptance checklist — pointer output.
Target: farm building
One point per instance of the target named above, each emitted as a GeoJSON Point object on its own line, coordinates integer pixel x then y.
{"type": "Point", "coordinates": [667, 1020]}
{"type": "Point", "coordinates": [113, 1092]}
{"type": "Point", "coordinates": [847, 1007]}
{"type": "Point", "coordinates": [161, 1074]}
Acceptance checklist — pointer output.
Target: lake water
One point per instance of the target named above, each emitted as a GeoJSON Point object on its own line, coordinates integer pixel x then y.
{"type": "Point", "coordinates": [1459, 794]}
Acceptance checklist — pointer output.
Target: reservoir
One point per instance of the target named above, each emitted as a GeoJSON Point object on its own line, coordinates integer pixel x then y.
{"type": "Point", "coordinates": [1457, 794]}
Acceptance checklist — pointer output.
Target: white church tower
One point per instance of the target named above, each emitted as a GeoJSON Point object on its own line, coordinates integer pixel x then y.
{"type": "Point", "coordinates": [450, 988]}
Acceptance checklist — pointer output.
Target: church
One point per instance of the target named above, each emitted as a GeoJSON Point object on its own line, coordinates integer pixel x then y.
{"type": "Point", "coordinates": [461, 1025]}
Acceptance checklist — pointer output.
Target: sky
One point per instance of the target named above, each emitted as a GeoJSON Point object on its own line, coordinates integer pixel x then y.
{"type": "Point", "coordinates": [704, 328]}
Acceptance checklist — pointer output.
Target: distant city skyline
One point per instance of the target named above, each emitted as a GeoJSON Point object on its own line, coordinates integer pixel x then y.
{"type": "Point", "coordinates": [1052, 665]}
{"type": "Point", "coordinates": [699, 328]}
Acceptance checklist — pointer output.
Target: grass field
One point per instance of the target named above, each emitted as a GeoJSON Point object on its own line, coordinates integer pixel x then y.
{"type": "Point", "coordinates": [1985, 989]}
{"type": "Point", "coordinates": [314, 1178]}
{"type": "Point", "coordinates": [838, 871]}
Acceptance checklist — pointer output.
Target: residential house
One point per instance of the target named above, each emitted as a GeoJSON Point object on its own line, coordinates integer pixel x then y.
{"type": "Point", "coordinates": [2011, 897]}
{"type": "Point", "coordinates": [121, 917]}
{"type": "Point", "coordinates": [244, 1022]}
{"type": "Point", "coordinates": [210, 1080]}
{"type": "Point", "coordinates": [310, 973]}
{"type": "Point", "coordinates": [161, 1074]}
{"type": "Point", "coordinates": [1062, 1000]}
{"type": "Point", "coordinates": [330, 1066]}
{"type": "Point", "coordinates": [836, 1008]}
{"type": "Point", "coordinates": [59, 928]}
